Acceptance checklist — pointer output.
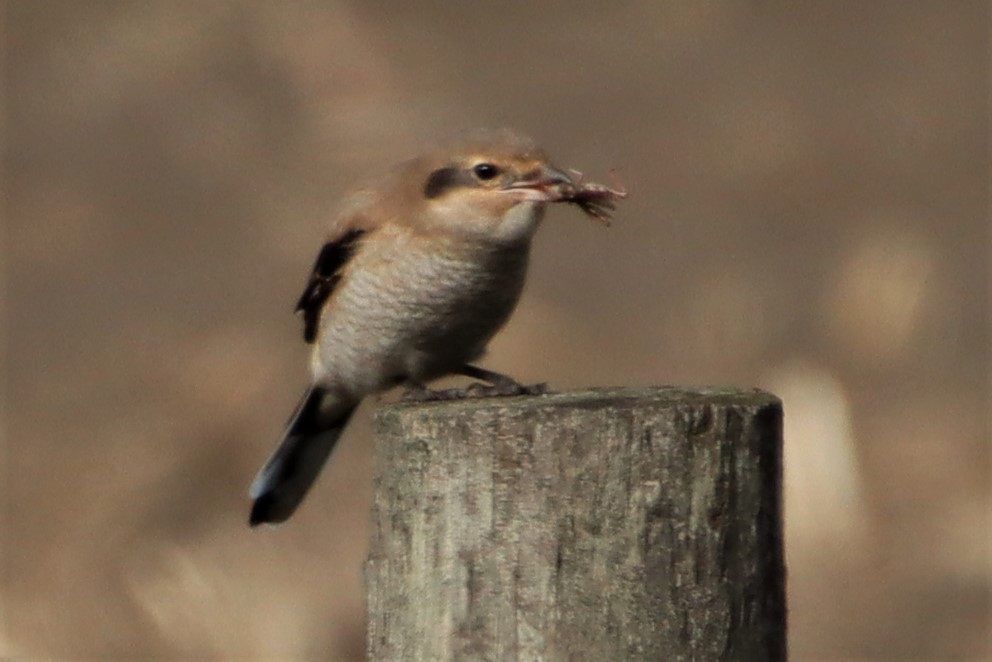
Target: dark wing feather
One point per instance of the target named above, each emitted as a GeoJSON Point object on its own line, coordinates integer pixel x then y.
{"type": "Point", "coordinates": [325, 275]}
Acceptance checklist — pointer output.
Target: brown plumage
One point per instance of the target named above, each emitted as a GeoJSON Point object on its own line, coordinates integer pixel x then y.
{"type": "Point", "coordinates": [421, 270]}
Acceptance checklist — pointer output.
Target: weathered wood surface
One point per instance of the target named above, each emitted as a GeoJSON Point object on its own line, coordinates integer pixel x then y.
{"type": "Point", "coordinates": [598, 525]}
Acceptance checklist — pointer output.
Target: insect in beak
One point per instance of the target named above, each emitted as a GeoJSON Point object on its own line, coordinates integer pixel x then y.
{"type": "Point", "coordinates": [550, 184]}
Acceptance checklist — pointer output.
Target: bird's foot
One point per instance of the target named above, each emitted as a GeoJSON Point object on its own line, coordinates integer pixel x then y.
{"type": "Point", "coordinates": [497, 384]}
{"type": "Point", "coordinates": [502, 387]}
{"type": "Point", "coordinates": [415, 392]}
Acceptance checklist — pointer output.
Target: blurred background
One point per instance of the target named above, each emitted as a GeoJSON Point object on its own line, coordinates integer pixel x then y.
{"type": "Point", "coordinates": [808, 214]}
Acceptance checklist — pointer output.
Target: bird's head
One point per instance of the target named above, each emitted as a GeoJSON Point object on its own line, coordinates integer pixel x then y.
{"type": "Point", "coordinates": [493, 184]}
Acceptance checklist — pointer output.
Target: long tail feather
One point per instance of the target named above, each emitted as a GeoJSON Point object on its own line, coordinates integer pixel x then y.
{"type": "Point", "coordinates": [308, 441]}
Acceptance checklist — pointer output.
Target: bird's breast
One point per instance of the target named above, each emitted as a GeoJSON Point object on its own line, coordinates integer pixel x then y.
{"type": "Point", "coordinates": [415, 307]}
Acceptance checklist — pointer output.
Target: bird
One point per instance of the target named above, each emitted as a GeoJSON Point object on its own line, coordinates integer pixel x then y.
{"type": "Point", "coordinates": [420, 270]}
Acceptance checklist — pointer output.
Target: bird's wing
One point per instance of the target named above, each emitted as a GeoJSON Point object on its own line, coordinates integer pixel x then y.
{"type": "Point", "coordinates": [324, 276]}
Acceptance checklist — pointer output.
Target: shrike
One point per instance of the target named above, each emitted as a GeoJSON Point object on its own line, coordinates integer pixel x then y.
{"type": "Point", "coordinates": [418, 274]}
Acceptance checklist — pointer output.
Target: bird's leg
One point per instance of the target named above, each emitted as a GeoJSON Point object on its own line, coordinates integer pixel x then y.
{"type": "Point", "coordinates": [498, 384]}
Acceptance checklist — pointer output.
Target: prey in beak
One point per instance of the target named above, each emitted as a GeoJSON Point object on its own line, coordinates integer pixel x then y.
{"type": "Point", "coordinates": [549, 184]}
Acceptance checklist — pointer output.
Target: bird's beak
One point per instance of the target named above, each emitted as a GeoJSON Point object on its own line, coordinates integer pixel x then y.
{"type": "Point", "coordinates": [547, 184]}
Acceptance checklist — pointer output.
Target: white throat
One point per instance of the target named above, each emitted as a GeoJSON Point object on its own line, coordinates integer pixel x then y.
{"type": "Point", "coordinates": [520, 222]}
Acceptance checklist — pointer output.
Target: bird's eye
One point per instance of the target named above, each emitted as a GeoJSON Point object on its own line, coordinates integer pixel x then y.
{"type": "Point", "coordinates": [485, 171]}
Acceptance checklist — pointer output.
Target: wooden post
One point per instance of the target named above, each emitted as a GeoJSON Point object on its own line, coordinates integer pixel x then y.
{"type": "Point", "coordinates": [602, 525]}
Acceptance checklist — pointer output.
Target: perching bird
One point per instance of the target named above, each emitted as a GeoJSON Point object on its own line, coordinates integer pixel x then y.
{"type": "Point", "coordinates": [417, 276]}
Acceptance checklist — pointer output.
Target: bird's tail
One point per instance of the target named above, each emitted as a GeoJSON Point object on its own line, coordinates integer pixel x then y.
{"type": "Point", "coordinates": [311, 435]}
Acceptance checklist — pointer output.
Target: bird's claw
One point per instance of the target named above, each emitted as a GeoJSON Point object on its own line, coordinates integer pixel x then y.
{"type": "Point", "coordinates": [474, 390]}
{"type": "Point", "coordinates": [507, 388]}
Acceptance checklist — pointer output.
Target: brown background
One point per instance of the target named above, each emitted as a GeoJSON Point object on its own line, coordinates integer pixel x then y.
{"type": "Point", "coordinates": [808, 214]}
